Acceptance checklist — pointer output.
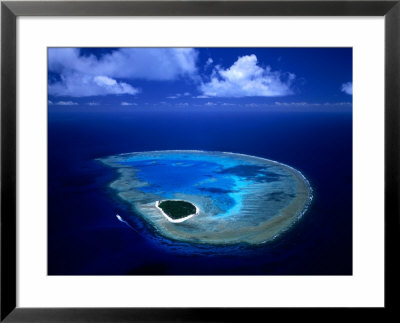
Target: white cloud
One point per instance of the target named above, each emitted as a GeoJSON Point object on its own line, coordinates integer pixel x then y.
{"type": "Point", "coordinates": [93, 103]}
{"type": "Point", "coordinates": [208, 63]}
{"type": "Point", "coordinates": [210, 104]}
{"type": "Point", "coordinates": [245, 78]}
{"type": "Point", "coordinates": [111, 86]}
{"type": "Point", "coordinates": [312, 104]}
{"type": "Point", "coordinates": [338, 104]}
{"type": "Point", "coordinates": [82, 85]}
{"type": "Point", "coordinates": [253, 105]}
{"type": "Point", "coordinates": [178, 95]}
{"type": "Point", "coordinates": [128, 103]}
{"type": "Point", "coordinates": [66, 103]}
{"type": "Point", "coordinates": [49, 102]}
{"type": "Point", "coordinates": [182, 104]}
{"type": "Point", "coordinates": [90, 75]}
{"type": "Point", "coordinates": [295, 104]}
{"type": "Point", "coordinates": [128, 63]}
{"type": "Point", "coordinates": [347, 88]}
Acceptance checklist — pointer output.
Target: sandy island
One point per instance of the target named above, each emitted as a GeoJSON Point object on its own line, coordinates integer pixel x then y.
{"type": "Point", "coordinates": [177, 220]}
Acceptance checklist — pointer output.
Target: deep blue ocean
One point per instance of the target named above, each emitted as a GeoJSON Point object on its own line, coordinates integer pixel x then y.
{"type": "Point", "coordinates": [86, 238]}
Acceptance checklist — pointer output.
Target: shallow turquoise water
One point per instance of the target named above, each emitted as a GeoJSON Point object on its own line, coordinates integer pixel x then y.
{"type": "Point", "coordinates": [223, 178]}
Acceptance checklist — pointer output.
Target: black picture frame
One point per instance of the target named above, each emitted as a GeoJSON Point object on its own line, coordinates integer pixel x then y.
{"type": "Point", "coordinates": [10, 10]}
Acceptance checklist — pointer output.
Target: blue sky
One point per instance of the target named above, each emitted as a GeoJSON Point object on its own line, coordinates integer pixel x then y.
{"type": "Point", "coordinates": [201, 78]}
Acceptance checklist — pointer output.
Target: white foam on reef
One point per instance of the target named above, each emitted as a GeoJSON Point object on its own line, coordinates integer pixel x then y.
{"type": "Point", "coordinates": [177, 220]}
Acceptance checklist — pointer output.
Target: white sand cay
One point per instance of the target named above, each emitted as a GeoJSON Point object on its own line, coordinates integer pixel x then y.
{"type": "Point", "coordinates": [181, 219]}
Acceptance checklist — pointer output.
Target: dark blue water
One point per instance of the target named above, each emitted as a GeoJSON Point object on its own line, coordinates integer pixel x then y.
{"type": "Point", "coordinates": [85, 237]}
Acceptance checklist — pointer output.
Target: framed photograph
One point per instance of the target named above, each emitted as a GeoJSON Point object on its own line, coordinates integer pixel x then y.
{"type": "Point", "coordinates": [182, 160]}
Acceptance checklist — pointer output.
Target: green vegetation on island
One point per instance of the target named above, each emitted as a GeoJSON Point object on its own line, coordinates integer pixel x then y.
{"type": "Point", "coordinates": [177, 209]}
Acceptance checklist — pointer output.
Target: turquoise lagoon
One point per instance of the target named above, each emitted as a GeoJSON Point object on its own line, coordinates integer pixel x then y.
{"type": "Point", "coordinates": [241, 198]}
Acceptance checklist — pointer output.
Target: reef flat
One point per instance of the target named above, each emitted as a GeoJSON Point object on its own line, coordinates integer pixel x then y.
{"type": "Point", "coordinates": [238, 198]}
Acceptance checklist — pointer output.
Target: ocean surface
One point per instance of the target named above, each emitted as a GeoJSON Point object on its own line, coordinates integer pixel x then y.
{"type": "Point", "coordinates": [86, 238]}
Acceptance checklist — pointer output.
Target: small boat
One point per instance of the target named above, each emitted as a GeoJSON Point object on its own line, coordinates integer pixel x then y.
{"type": "Point", "coordinates": [123, 221]}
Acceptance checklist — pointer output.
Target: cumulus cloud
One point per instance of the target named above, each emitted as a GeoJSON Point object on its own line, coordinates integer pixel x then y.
{"type": "Point", "coordinates": [66, 103]}
{"type": "Point", "coordinates": [208, 63]}
{"type": "Point", "coordinates": [312, 104]}
{"type": "Point", "coordinates": [295, 104]}
{"type": "Point", "coordinates": [82, 85]}
{"type": "Point", "coordinates": [128, 103]}
{"type": "Point", "coordinates": [182, 104]}
{"type": "Point", "coordinates": [253, 105]}
{"type": "Point", "coordinates": [246, 78]}
{"type": "Point", "coordinates": [109, 73]}
{"type": "Point", "coordinates": [113, 87]}
{"type": "Point", "coordinates": [347, 88]}
{"type": "Point", "coordinates": [178, 95]}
